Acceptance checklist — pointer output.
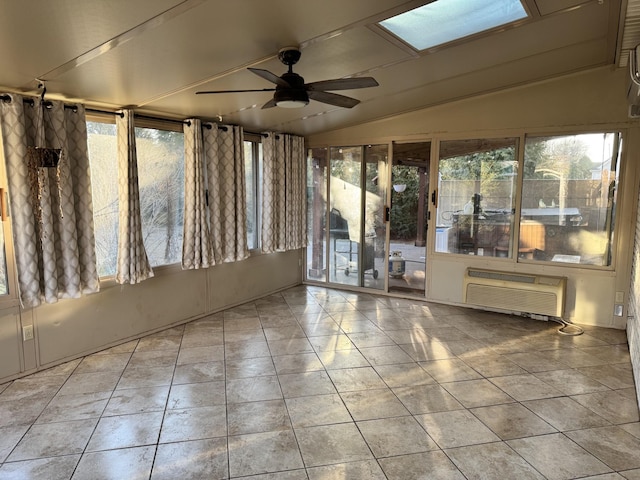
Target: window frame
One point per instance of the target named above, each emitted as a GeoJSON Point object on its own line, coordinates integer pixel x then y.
{"type": "Point", "coordinates": [614, 233]}
{"type": "Point", "coordinates": [256, 151]}
{"type": "Point", "coordinates": [169, 126]}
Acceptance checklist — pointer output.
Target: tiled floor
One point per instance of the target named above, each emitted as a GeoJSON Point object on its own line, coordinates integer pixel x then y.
{"type": "Point", "coordinates": [322, 384]}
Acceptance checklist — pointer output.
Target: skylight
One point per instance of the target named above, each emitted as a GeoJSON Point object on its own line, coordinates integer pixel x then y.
{"type": "Point", "coordinates": [443, 21]}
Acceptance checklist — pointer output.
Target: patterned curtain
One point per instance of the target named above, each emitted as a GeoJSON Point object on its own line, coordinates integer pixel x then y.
{"type": "Point", "coordinates": [224, 157]}
{"type": "Point", "coordinates": [52, 211]}
{"type": "Point", "coordinates": [133, 264]}
{"type": "Point", "coordinates": [217, 232]}
{"type": "Point", "coordinates": [197, 251]}
{"type": "Point", "coordinates": [284, 214]}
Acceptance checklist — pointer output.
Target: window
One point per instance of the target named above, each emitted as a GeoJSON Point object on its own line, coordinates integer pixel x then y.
{"type": "Point", "coordinates": [101, 140]}
{"type": "Point", "coordinates": [253, 180]}
{"type": "Point", "coordinates": [569, 196]}
{"type": "Point", "coordinates": [161, 182]}
{"type": "Point", "coordinates": [476, 186]}
{"type": "Point", "coordinates": [444, 21]}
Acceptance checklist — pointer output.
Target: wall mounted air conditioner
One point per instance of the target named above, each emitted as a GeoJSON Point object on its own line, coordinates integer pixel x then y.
{"type": "Point", "coordinates": [633, 93]}
{"type": "Point", "coordinates": [515, 292]}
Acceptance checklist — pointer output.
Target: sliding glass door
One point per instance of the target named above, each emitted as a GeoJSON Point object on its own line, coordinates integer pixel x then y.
{"type": "Point", "coordinates": [347, 190]}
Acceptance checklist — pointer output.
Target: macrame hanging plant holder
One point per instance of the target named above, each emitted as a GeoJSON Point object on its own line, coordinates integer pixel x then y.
{"type": "Point", "coordinates": [39, 162]}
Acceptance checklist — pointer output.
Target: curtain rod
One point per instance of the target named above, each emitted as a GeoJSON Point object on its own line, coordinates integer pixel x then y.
{"type": "Point", "coordinates": [7, 98]}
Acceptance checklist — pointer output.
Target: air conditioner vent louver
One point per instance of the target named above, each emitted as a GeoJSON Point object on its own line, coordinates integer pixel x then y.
{"type": "Point", "coordinates": [537, 294]}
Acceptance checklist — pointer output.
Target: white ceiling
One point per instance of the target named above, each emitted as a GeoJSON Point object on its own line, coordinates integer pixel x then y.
{"type": "Point", "coordinates": [153, 55]}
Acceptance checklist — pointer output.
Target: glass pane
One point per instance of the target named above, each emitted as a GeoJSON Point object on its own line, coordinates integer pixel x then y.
{"type": "Point", "coordinates": [4, 281]}
{"type": "Point", "coordinates": [568, 198]}
{"type": "Point", "coordinates": [476, 188]}
{"type": "Point", "coordinates": [316, 213]}
{"type": "Point", "coordinates": [374, 255]}
{"type": "Point", "coordinates": [409, 207]}
{"type": "Point", "coordinates": [161, 183]}
{"type": "Point", "coordinates": [345, 214]}
{"type": "Point", "coordinates": [443, 21]}
{"type": "Point", "coordinates": [101, 140]}
{"type": "Point", "coordinates": [250, 188]}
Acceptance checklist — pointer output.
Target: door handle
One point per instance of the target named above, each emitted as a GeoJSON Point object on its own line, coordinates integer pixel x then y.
{"type": "Point", "coordinates": [387, 213]}
{"type": "Point", "coordinates": [434, 198]}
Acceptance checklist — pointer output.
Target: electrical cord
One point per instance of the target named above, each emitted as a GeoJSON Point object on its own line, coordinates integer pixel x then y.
{"type": "Point", "coordinates": [567, 328]}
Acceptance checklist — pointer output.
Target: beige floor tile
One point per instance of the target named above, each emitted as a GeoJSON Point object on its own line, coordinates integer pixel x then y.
{"type": "Point", "coordinates": [146, 377]}
{"type": "Point", "coordinates": [613, 376]}
{"type": "Point", "coordinates": [116, 464]}
{"type": "Point", "coordinates": [297, 363]}
{"type": "Point", "coordinates": [557, 457]}
{"type": "Point", "coordinates": [565, 413]}
{"type": "Point", "coordinates": [341, 359]}
{"type": "Point", "coordinates": [305, 384]}
{"type": "Point", "coordinates": [525, 387]}
{"type": "Point", "coordinates": [571, 382]}
{"type": "Point", "coordinates": [477, 393]}
{"type": "Point", "coordinates": [353, 379]}
{"type": "Point", "coordinates": [402, 375]}
{"type": "Point", "coordinates": [259, 453]}
{"type": "Point", "coordinates": [198, 373]}
{"type": "Point", "coordinates": [54, 439]}
{"type": "Point", "coordinates": [195, 459]}
{"type": "Point", "coordinates": [456, 428]}
{"type": "Point", "coordinates": [25, 389]}
{"type": "Point", "coordinates": [363, 470]}
{"type": "Point", "coordinates": [9, 438]}
{"type": "Point", "coordinates": [386, 355]}
{"type": "Point", "coordinates": [390, 437]}
{"type": "Point", "coordinates": [450, 370]}
{"type": "Point", "coordinates": [492, 460]}
{"type": "Point", "coordinates": [331, 444]}
{"type": "Point", "coordinates": [253, 389]}
{"type": "Point", "coordinates": [210, 353]}
{"type": "Point", "coordinates": [126, 431]}
{"type": "Point", "coordinates": [75, 407]}
{"type": "Point", "coordinates": [317, 410]}
{"type": "Point", "coordinates": [512, 420]}
{"type": "Point", "coordinates": [373, 404]}
{"type": "Point", "coordinates": [610, 405]}
{"type": "Point", "coordinates": [195, 395]}
{"type": "Point", "coordinates": [426, 399]}
{"type": "Point", "coordinates": [433, 465]}
{"type": "Point", "coordinates": [153, 358]}
{"type": "Point", "coordinates": [257, 417]}
{"type": "Point", "coordinates": [55, 468]}
{"type": "Point", "coordinates": [493, 365]}
{"type": "Point", "coordinates": [250, 367]}
{"type": "Point", "coordinates": [137, 400]}
{"type": "Point", "coordinates": [115, 362]}
{"type": "Point", "coordinates": [194, 424]}
{"type": "Point", "coordinates": [614, 446]}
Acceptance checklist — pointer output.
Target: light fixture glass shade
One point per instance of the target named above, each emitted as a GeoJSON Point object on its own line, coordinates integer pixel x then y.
{"type": "Point", "coordinates": [291, 98]}
{"type": "Point", "coordinates": [400, 187]}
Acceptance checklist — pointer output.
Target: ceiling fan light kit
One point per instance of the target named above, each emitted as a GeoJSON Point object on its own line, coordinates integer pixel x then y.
{"type": "Point", "coordinates": [292, 92]}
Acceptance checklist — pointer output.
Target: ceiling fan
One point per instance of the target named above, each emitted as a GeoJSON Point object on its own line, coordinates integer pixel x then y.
{"type": "Point", "coordinates": [292, 92]}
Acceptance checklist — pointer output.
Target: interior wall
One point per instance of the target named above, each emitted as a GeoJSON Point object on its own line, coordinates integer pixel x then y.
{"type": "Point", "coordinates": [633, 324]}
{"type": "Point", "coordinates": [593, 100]}
{"type": "Point", "coordinates": [75, 327]}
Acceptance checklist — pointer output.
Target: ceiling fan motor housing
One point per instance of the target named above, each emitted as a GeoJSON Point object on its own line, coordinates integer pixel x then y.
{"type": "Point", "coordinates": [293, 96]}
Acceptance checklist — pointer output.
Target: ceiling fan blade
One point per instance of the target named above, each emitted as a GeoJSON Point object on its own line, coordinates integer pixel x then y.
{"type": "Point", "coordinates": [206, 92]}
{"type": "Point", "coordinates": [270, 104]}
{"type": "Point", "coordinates": [342, 84]}
{"type": "Point", "coordinates": [333, 99]}
{"type": "Point", "coordinates": [267, 75]}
